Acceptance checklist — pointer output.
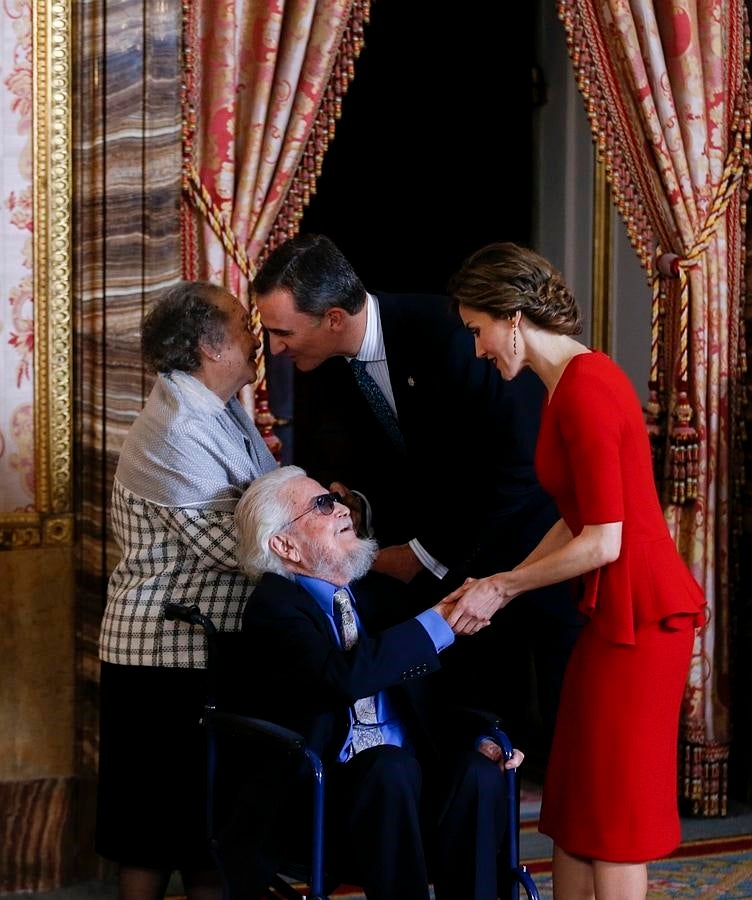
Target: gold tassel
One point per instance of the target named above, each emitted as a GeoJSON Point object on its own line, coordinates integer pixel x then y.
{"type": "Point", "coordinates": [683, 454]}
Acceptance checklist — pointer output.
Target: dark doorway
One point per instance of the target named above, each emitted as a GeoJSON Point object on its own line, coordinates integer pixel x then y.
{"type": "Point", "coordinates": [432, 156]}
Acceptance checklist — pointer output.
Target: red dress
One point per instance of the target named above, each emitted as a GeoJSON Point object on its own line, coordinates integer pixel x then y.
{"type": "Point", "coordinates": [610, 788]}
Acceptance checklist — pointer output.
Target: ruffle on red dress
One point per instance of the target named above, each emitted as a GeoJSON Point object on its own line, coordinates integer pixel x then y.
{"type": "Point", "coordinates": [648, 583]}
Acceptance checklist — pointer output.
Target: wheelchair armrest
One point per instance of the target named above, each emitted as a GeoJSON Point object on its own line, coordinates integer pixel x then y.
{"type": "Point", "coordinates": [257, 730]}
{"type": "Point", "coordinates": [487, 723]}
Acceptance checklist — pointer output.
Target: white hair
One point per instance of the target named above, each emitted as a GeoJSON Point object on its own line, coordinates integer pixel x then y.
{"type": "Point", "coordinates": [260, 514]}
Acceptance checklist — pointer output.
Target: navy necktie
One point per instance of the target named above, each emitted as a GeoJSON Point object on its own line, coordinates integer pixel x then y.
{"type": "Point", "coordinates": [378, 403]}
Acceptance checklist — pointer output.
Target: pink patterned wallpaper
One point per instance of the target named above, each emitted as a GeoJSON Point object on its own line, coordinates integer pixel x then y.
{"type": "Point", "coordinates": [16, 259]}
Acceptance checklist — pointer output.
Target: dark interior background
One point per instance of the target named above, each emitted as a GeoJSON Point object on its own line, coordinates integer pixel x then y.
{"type": "Point", "coordinates": [432, 156]}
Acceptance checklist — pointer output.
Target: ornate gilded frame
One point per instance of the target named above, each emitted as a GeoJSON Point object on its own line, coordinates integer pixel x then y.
{"type": "Point", "coordinates": [51, 522]}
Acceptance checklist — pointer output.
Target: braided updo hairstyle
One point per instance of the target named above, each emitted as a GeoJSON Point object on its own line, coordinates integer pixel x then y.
{"type": "Point", "coordinates": [502, 278]}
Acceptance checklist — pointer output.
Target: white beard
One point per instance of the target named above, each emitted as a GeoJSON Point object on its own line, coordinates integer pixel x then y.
{"type": "Point", "coordinates": [354, 565]}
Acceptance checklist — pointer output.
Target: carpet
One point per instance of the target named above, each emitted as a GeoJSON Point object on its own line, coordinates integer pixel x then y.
{"type": "Point", "coordinates": [710, 867]}
{"type": "Point", "coordinates": [716, 867]}
{"type": "Point", "coordinates": [719, 868]}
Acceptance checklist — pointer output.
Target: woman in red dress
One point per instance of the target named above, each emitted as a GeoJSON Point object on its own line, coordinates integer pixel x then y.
{"type": "Point", "coordinates": [609, 799]}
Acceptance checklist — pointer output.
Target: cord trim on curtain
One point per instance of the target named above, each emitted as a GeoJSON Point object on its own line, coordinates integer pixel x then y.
{"type": "Point", "coordinates": [310, 161]}
{"type": "Point", "coordinates": [296, 194]}
{"type": "Point", "coordinates": [670, 277]}
{"type": "Point", "coordinates": [666, 269]}
{"type": "Point", "coordinates": [640, 93]}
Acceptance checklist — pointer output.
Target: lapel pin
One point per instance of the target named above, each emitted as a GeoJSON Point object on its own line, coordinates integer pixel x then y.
{"type": "Point", "coordinates": [411, 381]}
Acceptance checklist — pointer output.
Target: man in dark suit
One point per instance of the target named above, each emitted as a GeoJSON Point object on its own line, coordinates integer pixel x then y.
{"type": "Point", "coordinates": [436, 412]}
{"type": "Point", "coordinates": [348, 666]}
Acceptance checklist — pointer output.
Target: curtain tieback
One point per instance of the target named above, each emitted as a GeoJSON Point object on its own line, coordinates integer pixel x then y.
{"type": "Point", "coordinates": [673, 318]}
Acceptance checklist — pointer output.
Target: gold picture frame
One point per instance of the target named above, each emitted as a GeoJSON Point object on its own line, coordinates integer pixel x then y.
{"type": "Point", "coordinates": [51, 521]}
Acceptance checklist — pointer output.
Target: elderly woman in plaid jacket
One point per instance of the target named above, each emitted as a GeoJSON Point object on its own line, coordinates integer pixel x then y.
{"type": "Point", "coordinates": [184, 464]}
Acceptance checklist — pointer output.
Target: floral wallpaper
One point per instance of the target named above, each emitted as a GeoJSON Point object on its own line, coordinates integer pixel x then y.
{"type": "Point", "coordinates": [16, 259]}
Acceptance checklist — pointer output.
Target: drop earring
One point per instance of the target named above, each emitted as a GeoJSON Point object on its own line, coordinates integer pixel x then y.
{"type": "Point", "coordinates": [514, 338]}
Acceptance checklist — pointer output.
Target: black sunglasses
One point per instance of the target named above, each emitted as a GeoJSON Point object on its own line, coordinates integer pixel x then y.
{"type": "Point", "coordinates": [324, 504]}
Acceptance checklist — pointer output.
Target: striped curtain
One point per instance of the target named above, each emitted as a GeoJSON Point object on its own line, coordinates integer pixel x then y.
{"type": "Point", "coordinates": [666, 88]}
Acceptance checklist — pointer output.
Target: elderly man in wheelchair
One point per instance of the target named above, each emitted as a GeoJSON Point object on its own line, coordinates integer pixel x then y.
{"type": "Point", "coordinates": [413, 794]}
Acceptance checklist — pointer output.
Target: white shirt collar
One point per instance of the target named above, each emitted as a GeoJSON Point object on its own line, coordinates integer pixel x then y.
{"type": "Point", "coordinates": [372, 349]}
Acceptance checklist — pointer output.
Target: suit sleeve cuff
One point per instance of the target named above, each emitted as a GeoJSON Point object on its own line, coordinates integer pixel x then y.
{"type": "Point", "coordinates": [433, 565]}
{"type": "Point", "coordinates": [440, 633]}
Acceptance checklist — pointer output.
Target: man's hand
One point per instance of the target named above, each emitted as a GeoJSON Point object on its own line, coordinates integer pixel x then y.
{"type": "Point", "coordinates": [493, 751]}
{"type": "Point", "coordinates": [398, 561]}
{"type": "Point", "coordinates": [352, 501]}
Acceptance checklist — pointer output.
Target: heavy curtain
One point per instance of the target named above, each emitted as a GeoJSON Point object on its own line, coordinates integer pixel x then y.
{"type": "Point", "coordinates": [263, 85]}
{"type": "Point", "coordinates": [666, 89]}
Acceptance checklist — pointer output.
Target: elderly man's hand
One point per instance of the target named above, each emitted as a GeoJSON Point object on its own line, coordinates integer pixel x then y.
{"type": "Point", "coordinates": [398, 561]}
{"type": "Point", "coordinates": [354, 502]}
{"type": "Point", "coordinates": [494, 752]}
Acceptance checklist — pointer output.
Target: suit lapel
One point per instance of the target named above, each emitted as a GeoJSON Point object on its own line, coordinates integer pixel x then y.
{"type": "Point", "coordinates": [318, 614]}
{"type": "Point", "coordinates": [396, 331]}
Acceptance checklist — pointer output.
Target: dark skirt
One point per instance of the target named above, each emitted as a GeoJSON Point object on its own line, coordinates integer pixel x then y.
{"type": "Point", "coordinates": [151, 801]}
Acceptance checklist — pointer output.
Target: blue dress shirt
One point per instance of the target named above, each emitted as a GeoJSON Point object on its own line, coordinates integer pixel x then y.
{"type": "Point", "coordinates": [435, 625]}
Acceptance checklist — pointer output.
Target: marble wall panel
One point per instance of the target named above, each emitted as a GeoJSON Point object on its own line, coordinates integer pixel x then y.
{"type": "Point", "coordinates": [36, 845]}
{"type": "Point", "coordinates": [127, 249]}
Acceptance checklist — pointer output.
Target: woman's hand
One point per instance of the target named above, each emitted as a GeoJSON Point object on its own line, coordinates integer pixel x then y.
{"type": "Point", "coordinates": [477, 600]}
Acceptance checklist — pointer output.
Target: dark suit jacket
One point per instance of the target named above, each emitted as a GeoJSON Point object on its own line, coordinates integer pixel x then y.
{"type": "Point", "coordinates": [466, 487]}
{"type": "Point", "coordinates": [296, 675]}
{"type": "Point", "coordinates": [314, 681]}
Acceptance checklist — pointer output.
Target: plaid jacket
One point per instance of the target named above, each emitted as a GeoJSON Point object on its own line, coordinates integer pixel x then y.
{"type": "Point", "coordinates": [184, 465]}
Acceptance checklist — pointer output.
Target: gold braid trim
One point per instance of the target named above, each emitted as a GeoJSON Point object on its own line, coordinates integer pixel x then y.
{"type": "Point", "coordinates": [188, 101]}
{"type": "Point", "coordinates": [657, 381]}
{"type": "Point", "coordinates": [634, 198]}
{"type": "Point", "coordinates": [588, 70]}
{"type": "Point", "coordinates": [684, 445]}
{"type": "Point", "coordinates": [302, 187]}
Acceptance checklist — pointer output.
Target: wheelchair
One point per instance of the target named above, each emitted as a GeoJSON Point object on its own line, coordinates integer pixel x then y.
{"type": "Point", "coordinates": [281, 743]}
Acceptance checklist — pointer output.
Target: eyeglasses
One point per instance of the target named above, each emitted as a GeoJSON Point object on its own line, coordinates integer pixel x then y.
{"type": "Point", "coordinates": [324, 504]}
